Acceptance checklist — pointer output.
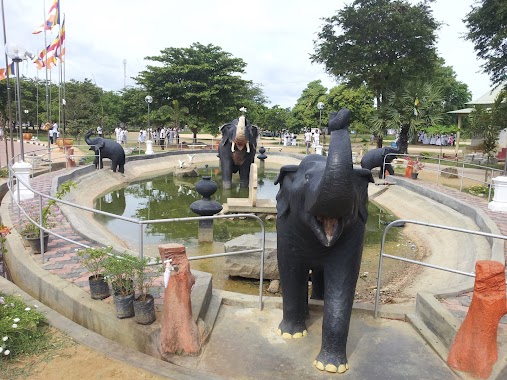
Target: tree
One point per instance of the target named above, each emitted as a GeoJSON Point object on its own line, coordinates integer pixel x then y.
{"type": "Point", "coordinates": [275, 119]}
{"type": "Point", "coordinates": [489, 122]}
{"type": "Point", "coordinates": [380, 43]}
{"type": "Point", "coordinates": [84, 106]}
{"type": "Point", "coordinates": [305, 112]}
{"type": "Point", "coordinates": [487, 29]}
{"type": "Point", "coordinates": [410, 110]}
{"type": "Point", "coordinates": [203, 78]}
{"type": "Point", "coordinates": [358, 100]}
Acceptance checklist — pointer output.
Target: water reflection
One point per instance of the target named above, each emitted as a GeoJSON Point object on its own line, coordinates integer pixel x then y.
{"type": "Point", "coordinates": [168, 197]}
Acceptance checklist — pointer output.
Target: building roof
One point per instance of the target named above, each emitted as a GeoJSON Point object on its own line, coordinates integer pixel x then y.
{"type": "Point", "coordinates": [488, 98]}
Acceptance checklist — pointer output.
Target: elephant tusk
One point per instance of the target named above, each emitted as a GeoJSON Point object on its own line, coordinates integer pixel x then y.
{"type": "Point", "coordinates": [247, 147]}
{"type": "Point", "coordinates": [232, 146]}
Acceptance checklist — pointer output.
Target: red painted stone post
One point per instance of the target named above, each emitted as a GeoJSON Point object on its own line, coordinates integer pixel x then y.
{"type": "Point", "coordinates": [475, 347]}
{"type": "Point", "coordinates": [179, 333]}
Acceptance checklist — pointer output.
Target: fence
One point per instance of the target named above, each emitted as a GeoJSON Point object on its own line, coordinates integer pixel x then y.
{"type": "Point", "coordinates": [12, 183]}
{"type": "Point", "coordinates": [402, 222]}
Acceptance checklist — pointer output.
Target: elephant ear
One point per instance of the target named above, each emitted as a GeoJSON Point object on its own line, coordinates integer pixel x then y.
{"type": "Point", "coordinates": [285, 181]}
{"type": "Point", "coordinates": [100, 143]}
{"type": "Point", "coordinates": [363, 177]}
{"type": "Point", "coordinates": [225, 132]}
{"type": "Point", "coordinates": [255, 134]}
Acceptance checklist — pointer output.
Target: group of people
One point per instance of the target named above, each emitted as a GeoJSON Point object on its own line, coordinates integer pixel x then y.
{"type": "Point", "coordinates": [53, 132]}
{"type": "Point", "coordinates": [121, 134]}
{"type": "Point", "coordinates": [438, 140]}
{"type": "Point", "coordinates": [161, 136]}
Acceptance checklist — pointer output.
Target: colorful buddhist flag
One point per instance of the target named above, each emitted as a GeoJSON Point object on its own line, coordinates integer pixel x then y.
{"type": "Point", "coordinates": [52, 20]}
{"type": "Point", "coordinates": [3, 74]}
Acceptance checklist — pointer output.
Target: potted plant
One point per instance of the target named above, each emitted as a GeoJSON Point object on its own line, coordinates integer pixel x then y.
{"type": "Point", "coordinates": [119, 270]}
{"type": "Point", "coordinates": [94, 259]}
{"type": "Point", "coordinates": [146, 271]}
{"type": "Point", "coordinates": [31, 231]}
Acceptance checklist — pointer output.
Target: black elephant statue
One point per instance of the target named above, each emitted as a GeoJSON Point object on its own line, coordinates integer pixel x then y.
{"type": "Point", "coordinates": [105, 148]}
{"type": "Point", "coordinates": [322, 213]}
{"type": "Point", "coordinates": [237, 150]}
{"type": "Point", "coordinates": [375, 159]}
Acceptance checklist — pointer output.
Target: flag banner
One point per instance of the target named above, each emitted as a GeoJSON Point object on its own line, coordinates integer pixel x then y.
{"type": "Point", "coordinates": [3, 74]}
{"type": "Point", "coordinates": [52, 20]}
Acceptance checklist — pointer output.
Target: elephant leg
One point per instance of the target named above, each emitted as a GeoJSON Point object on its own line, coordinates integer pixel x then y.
{"type": "Point", "coordinates": [244, 177]}
{"type": "Point", "coordinates": [101, 165]}
{"type": "Point", "coordinates": [389, 169]}
{"type": "Point", "coordinates": [121, 167]}
{"type": "Point", "coordinates": [114, 165]}
{"type": "Point", "coordinates": [317, 279]}
{"type": "Point", "coordinates": [340, 278]}
{"type": "Point", "coordinates": [294, 280]}
{"type": "Point", "coordinates": [96, 162]}
{"type": "Point", "coordinates": [226, 173]}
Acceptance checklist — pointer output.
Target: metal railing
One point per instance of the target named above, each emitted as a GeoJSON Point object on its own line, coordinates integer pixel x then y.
{"type": "Point", "coordinates": [401, 222]}
{"type": "Point", "coordinates": [141, 223]}
{"type": "Point", "coordinates": [462, 165]}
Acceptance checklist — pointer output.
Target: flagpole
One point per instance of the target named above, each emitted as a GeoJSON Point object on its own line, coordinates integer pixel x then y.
{"type": "Point", "coordinates": [8, 92]}
{"type": "Point", "coordinates": [47, 90]}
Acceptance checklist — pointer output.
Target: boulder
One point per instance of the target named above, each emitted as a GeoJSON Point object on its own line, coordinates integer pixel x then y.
{"type": "Point", "coordinates": [450, 173]}
{"type": "Point", "coordinates": [247, 264]}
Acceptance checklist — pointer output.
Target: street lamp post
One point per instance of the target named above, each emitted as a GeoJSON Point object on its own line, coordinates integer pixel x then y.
{"type": "Point", "coordinates": [149, 143]}
{"type": "Point", "coordinates": [320, 107]}
{"type": "Point", "coordinates": [18, 54]}
{"type": "Point", "coordinates": [27, 122]}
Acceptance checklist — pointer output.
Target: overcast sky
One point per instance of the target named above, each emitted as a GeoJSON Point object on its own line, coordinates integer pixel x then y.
{"type": "Point", "coordinates": [274, 38]}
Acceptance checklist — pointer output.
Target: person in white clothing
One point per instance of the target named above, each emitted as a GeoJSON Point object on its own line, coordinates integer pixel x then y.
{"type": "Point", "coordinates": [308, 140]}
{"type": "Point", "coordinates": [117, 131]}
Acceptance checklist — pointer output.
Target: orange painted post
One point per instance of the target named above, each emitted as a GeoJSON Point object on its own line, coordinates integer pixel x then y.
{"type": "Point", "coordinates": [474, 349]}
{"type": "Point", "coordinates": [179, 333]}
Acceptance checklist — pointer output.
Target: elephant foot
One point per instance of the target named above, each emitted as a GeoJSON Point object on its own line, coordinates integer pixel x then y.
{"type": "Point", "coordinates": [226, 185]}
{"type": "Point", "coordinates": [330, 363]}
{"type": "Point", "coordinates": [288, 331]}
{"type": "Point", "coordinates": [287, 335]}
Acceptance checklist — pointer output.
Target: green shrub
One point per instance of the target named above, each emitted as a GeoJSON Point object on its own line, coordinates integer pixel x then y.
{"type": "Point", "coordinates": [22, 328]}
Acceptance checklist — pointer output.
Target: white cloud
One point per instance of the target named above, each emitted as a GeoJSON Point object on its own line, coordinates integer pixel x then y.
{"type": "Point", "coordinates": [275, 38]}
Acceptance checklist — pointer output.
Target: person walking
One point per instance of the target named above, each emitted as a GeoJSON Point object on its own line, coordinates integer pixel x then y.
{"type": "Point", "coordinates": [51, 133]}
{"type": "Point", "coordinates": [162, 138]}
{"type": "Point", "coordinates": [308, 140]}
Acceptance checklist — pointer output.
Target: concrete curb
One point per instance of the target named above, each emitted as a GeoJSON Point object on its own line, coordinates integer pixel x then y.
{"type": "Point", "coordinates": [103, 345]}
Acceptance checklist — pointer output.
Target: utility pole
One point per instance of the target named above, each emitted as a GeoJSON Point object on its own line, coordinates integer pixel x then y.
{"type": "Point", "coordinates": [124, 73]}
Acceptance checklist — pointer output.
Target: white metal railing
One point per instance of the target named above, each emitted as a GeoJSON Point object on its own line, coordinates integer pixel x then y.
{"type": "Point", "coordinates": [452, 163]}
{"type": "Point", "coordinates": [141, 223]}
{"type": "Point", "coordinates": [401, 222]}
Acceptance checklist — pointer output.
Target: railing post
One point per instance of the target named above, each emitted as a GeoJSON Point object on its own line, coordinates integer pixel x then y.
{"type": "Point", "coordinates": [462, 175]}
{"type": "Point", "coordinates": [261, 271]}
{"type": "Point", "coordinates": [141, 244]}
{"type": "Point", "coordinates": [438, 171]}
{"type": "Point", "coordinates": [41, 231]}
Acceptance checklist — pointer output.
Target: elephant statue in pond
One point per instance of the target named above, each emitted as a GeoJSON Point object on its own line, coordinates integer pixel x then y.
{"type": "Point", "coordinates": [105, 148]}
{"type": "Point", "coordinates": [322, 212]}
{"type": "Point", "coordinates": [237, 150]}
{"type": "Point", "coordinates": [375, 159]}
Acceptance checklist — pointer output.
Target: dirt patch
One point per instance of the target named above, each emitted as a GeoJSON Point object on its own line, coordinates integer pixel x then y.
{"type": "Point", "coordinates": [70, 360]}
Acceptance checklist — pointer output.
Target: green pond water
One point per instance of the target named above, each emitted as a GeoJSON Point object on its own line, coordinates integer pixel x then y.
{"type": "Point", "coordinates": [168, 196]}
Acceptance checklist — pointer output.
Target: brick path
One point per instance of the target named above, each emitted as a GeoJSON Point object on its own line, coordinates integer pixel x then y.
{"type": "Point", "coordinates": [61, 258]}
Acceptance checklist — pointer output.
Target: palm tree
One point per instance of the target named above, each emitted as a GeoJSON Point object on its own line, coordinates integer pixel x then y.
{"type": "Point", "coordinates": [409, 111]}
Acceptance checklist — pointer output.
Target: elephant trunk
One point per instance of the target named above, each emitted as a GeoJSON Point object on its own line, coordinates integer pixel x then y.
{"type": "Point", "coordinates": [241, 139]}
{"type": "Point", "coordinates": [87, 137]}
{"type": "Point", "coordinates": [333, 198]}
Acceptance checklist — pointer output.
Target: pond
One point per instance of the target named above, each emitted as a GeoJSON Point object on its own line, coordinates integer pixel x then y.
{"type": "Point", "coordinates": [168, 196]}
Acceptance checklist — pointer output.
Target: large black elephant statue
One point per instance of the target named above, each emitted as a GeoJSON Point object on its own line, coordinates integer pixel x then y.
{"type": "Point", "coordinates": [105, 148]}
{"type": "Point", "coordinates": [237, 150]}
{"type": "Point", "coordinates": [322, 212]}
{"type": "Point", "coordinates": [375, 159]}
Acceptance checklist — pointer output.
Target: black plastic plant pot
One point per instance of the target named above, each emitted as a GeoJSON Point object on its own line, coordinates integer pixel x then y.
{"type": "Point", "coordinates": [144, 308]}
{"type": "Point", "coordinates": [99, 288]}
{"type": "Point", "coordinates": [124, 305]}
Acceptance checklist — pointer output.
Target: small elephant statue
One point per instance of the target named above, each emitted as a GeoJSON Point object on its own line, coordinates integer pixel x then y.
{"type": "Point", "coordinates": [375, 159]}
{"type": "Point", "coordinates": [105, 148]}
{"type": "Point", "coordinates": [237, 150]}
{"type": "Point", "coordinates": [322, 207]}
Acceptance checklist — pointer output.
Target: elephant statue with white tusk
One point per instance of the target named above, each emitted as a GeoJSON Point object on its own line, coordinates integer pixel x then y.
{"type": "Point", "coordinates": [322, 212]}
{"type": "Point", "coordinates": [237, 150]}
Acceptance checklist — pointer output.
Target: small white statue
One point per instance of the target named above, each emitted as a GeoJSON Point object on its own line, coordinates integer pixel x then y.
{"type": "Point", "coordinates": [181, 163]}
{"type": "Point", "coordinates": [190, 158]}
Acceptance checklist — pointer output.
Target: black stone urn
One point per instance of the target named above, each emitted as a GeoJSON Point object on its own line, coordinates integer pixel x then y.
{"type": "Point", "coordinates": [206, 207]}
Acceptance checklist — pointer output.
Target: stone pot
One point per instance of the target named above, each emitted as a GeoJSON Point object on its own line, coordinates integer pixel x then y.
{"type": "Point", "coordinates": [27, 136]}
{"type": "Point", "coordinates": [124, 305]}
{"type": "Point", "coordinates": [144, 309]}
{"type": "Point", "coordinates": [99, 288]}
{"type": "Point", "coordinates": [64, 142]}
{"type": "Point", "coordinates": [414, 175]}
{"type": "Point", "coordinates": [34, 242]}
